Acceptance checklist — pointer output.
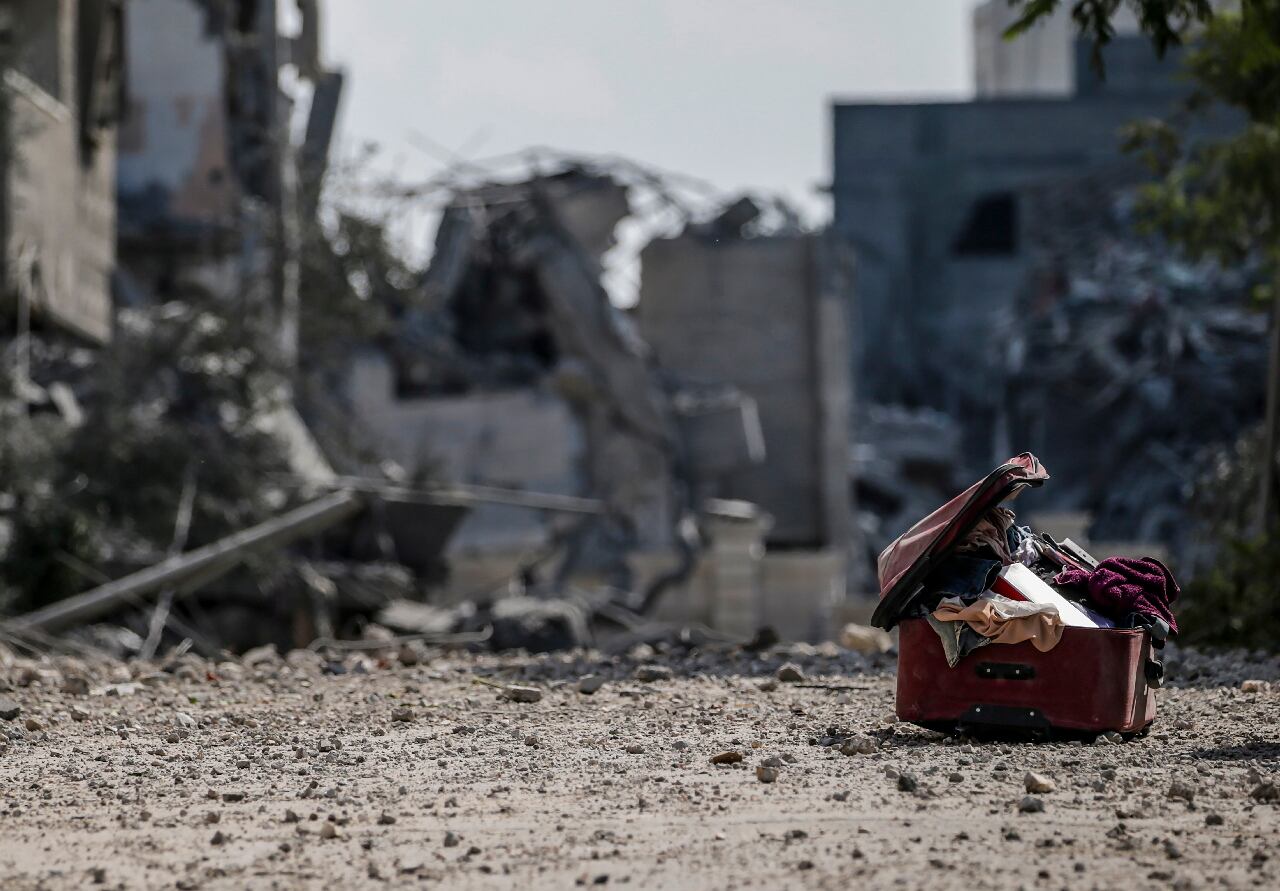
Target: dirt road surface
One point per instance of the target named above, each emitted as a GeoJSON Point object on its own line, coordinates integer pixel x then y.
{"type": "Point", "coordinates": [283, 774]}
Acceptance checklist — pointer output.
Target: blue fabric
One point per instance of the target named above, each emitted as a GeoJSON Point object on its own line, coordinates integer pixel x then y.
{"type": "Point", "coordinates": [963, 577]}
{"type": "Point", "coordinates": [1016, 535]}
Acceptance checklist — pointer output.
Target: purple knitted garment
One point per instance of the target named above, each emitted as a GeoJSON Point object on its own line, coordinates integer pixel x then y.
{"type": "Point", "coordinates": [1121, 586]}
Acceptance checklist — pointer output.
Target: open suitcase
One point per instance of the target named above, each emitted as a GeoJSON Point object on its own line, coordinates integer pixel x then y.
{"type": "Point", "coordinates": [1095, 680]}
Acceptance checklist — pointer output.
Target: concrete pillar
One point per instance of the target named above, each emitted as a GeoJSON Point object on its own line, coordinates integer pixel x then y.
{"type": "Point", "coordinates": [736, 555]}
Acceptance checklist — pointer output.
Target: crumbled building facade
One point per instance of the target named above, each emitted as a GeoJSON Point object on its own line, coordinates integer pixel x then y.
{"type": "Point", "coordinates": [63, 100]}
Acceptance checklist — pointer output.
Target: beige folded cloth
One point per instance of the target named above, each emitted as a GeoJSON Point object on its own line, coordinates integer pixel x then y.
{"type": "Point", "coordinates": [1006, 621]}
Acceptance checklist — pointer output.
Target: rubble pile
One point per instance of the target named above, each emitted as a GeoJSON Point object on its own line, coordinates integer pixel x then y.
{"type": "Point", "coordinates": [904, 462]}
{"type": "Point", "coordinates": [98, 446]}
{"type": "Point", "coordinates": [1125, 366]}
{"type": "Point", "coordinates": [198, 412]}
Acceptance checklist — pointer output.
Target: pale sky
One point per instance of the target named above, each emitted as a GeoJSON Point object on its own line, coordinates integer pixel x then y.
{"type": "Point", "coordinates": [735, 92]}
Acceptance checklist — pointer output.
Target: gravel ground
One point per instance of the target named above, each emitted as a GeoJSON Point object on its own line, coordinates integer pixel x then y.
{"type": "Point", "coordinates": [288, 773]}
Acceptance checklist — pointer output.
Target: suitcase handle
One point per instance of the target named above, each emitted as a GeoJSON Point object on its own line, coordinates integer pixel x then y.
{"type": "Point", "coordinates": [1154, 670]}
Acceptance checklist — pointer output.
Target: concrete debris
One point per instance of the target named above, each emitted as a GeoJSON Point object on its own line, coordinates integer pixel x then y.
{"type": "Point", "coordinates": [1038, 784]}
{"type": "Point", "coordinates": [1180, 789]}
{"type": "Point", "coordinates": [1267, 791]}
{"type": "Point", "coordinates": [791, 674]}
{"type": "Point", "coordinates": [1116, 333]}
{"type": "Point", "coordinates": [865, 639]}
{"type": "Point", "coordinates": [650, 673]}
{"type": "Point", "coordinates": [767, 774]}
{"type": "Point", "coordinates": [522, 694]}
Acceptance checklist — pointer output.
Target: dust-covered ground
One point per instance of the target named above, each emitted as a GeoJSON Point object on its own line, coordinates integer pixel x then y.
{"type": "Point", "coordinates": [369, 773]}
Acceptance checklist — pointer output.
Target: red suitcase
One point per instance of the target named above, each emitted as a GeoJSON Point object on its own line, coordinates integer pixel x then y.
{"type": "Point", "coordinates": [1094, 680]}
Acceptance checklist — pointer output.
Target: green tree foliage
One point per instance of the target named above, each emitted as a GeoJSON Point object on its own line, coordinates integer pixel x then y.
{"type": "Point", "coordinates": [1236, 600]}
{"type": "Point", "coordinates": [1165, 21]}
{"type": "Point", "coordinates": [181, 392]}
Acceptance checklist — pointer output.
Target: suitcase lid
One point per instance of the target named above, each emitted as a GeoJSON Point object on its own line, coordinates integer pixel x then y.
{"type": "Point", "coordinates": [908, 561]}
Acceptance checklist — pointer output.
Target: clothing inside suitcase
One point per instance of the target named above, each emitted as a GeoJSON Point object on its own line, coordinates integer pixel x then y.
{"type": "Point", "coordinates": [1087, 679]}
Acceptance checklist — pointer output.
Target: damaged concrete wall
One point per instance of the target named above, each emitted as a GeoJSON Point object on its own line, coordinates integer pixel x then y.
{"type": "Point", "coordinates": [752, 312]}
{"type": "Point", "coordinates": [519, 439]}
{"type": "Point", "coordinates": [59, 209]}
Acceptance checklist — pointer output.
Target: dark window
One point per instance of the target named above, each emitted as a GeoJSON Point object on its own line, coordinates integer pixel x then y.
{"type": "Point", "coordinates": [991, 227]}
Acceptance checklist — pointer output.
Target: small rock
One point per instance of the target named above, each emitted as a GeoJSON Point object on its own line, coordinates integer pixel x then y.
{"type": "Point", "coordinates": [212, 817]}
{"type": "Point", "coordinates": [590, 684]}
{"type": "Point", "coordinates": [1038, 783]}
{"type": "Point", "coordinates": [772, 762]}
{"type": "Point", "coordinates": [403, 714]}
{"type": "Point", "coordinates": [451, 839]}
{"type": "Point", "coordinates": [385, 819]}
{"type": "Point", "coordinates": [1030, 805]}
{"type": "Point", "coordinates": [267, 654]}
{"type": "Point", "coordinates": [522, 694]}
{"type": "Point", "coordinates": [907, 782]}
{"type": "Point", "coordinates": [232, 796]}
{"type": "Point", "coordinates": [9, 709]}
{"type": "Point", "coordinates": [1266, 791]}
{"type": "Point", "coordinates": [635, 749]}
{"type": "Point", "coordinates": [75, 685]}
{"type": "Point", "coordinates": [862, 745]}
{"type": "Point", "coordinates": [865, 639]}
{"type": "Point", "coordinates": [328, 830]}
{"type": "Point", "coordinates": [78, 714]}
{"type": "Point", "coordinates": [727, 758]}
{"type": "Point", "coordinates": [1213, 820]}
{"type": "Point", "coordinates": [185, 721]}
{"type": "Point", "coordinates": [768, 685]}
{"type": "Point", "coordinates": [790, 674]}
{"type": "Point", "coordinates": [1171, 849]}
{"type": "Point", "coordinates": [650, 673]}
{"type": "Point", "coordinates": [767, 774]}
{"type": "Point", "coordinates": [1254, 686]}
{"type": "Point", "coordinates": [408, 655]}
{"type": "Point", "coordinates": [218, 838]}
{"type": "Point", "coordinates": [291, 816]}
{"type": "Point", "coordinates": [1181, 789]}
{"type": "Point", "coordinates": [33, 725]}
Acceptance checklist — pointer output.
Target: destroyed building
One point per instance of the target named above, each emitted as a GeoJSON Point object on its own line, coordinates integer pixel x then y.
{"type": "Point", "coordinates": [213, 187]}
{"type": "Point", "coordinates": [514, 370]}
{"type": "Point", "coordinates": [930, 195]}
{"type": "Point", "coordinates": [504, 407]}
{"type": "Point", "coordinates": [1125, 365]}
{"type": "Point", "coordinates": [172, 265]}
{"type": "Point", "coordinates": [1007, 301]}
